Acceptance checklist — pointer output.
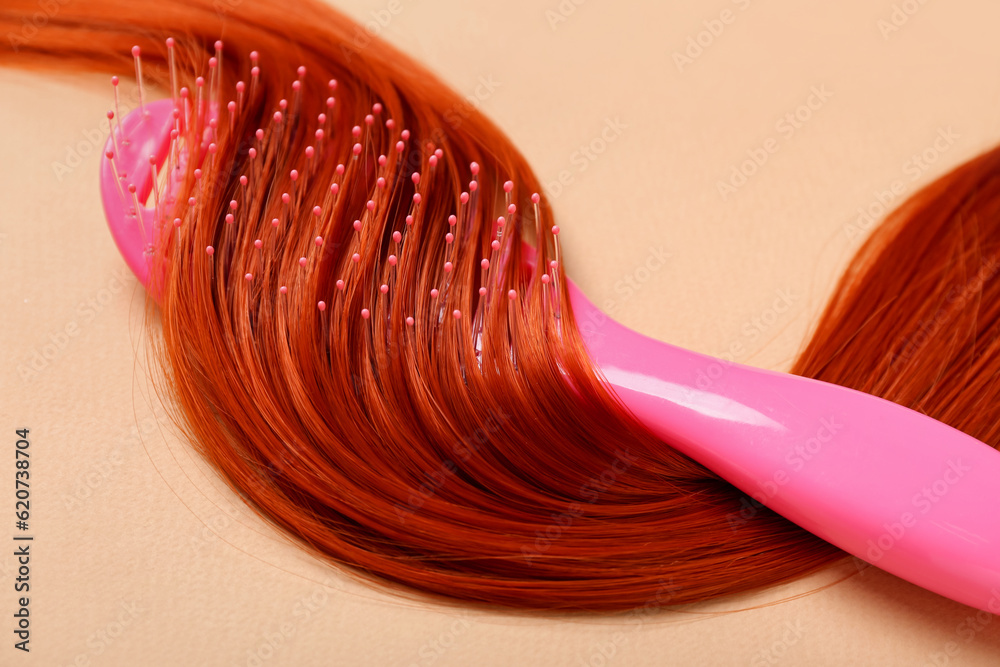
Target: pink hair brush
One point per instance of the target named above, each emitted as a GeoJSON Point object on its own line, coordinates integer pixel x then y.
{"type": "Point", "coordinates": [880, 481]}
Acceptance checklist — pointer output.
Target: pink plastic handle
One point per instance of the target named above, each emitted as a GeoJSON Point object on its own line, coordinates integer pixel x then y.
{"type": "Point", "coordinates": [887, 484]}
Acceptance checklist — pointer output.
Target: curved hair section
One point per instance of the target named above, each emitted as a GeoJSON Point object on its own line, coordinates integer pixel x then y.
{"type": "Point", "coordinates": [476, 457]}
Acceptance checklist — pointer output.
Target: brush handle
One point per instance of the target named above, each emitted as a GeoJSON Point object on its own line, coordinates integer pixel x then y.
{"type": "Point", "coordinates": [887, 484]}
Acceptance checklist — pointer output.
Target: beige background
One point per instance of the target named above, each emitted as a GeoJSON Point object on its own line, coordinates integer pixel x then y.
{"type": "Point", "coordinates": [142, 557]}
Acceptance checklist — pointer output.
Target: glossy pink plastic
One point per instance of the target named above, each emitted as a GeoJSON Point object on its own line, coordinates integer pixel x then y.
{"type": "Point", "coordinates": [887, 484]}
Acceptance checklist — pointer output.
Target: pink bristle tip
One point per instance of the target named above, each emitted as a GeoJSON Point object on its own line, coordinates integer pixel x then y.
{"type": "Point", "coordinates": [258, 244]}
{"type": "Point", "coordinates": [415, 177]}
{"type": "Point", "coordinates": [229, 218]}
{"type": "Point", "coordinates": [210, 250]}
{"type": "Point", "coordinates": [332, 84]}
{"type": "Point", "coordinates": [452, 220]}
{"type": "Point", "coordinates": [501, 221]}
{"type": "Point", "coordinates": [283, 104]}
{"type": "Point", "coordinates": [464, 198]}
{"type": "Point", "coordinates": [390, 124]}
{"type": "Point", "coordinates": [303, 261]}
{"type": "Point", "coordinates": [535, 198]}
{"type": "Point", "coordinates": [473, 186]}
{"type": "Point", "coordinates": [474, 168]}
{"type": "Point", "coordinates": [277, 116]}
{"type": "Point", "coordinates": [285, 198]}
{"type": "Point", "coordinates": [310, 151]}
{"type": "Point", "coordinates": [170, 42]}
{"type": "Point", "coordinates": [555, 229]}
{"type": "Point", "coordinates": [416, 198]}
{"type": "Point", "coordinates": [404, 135]}
{"type": "Point", "coordinates": [233, 204]}
{"type": "Point", "coordinates": [396, 236]}
{"type": "Point", "coordinates": [439, 153]}
{"type": "Point", "coordinates": [248, 277]}
{"type": "Point", "coordinates": [330, 101]}
{"type": "Point", "coordinates": [512, 295]}
{"type": "Point", "coordinates": [301, 71]}
{"type": "Point", "coordinates": [321, 305]}
{"type": "Point", "coordinates": [296, 85]}
{"type": "Point", "coordinates": [553, 264]}
{"type": "Point", "coordinates": [294, 174]}
{"type": "Point", "coordinates": [317, 211]}
{"type": "Point", "coordinates": [255, 71]}
{"type": "Point", "coordinates": [434, 293]}
{"type": "Point", "coordinates": [447, 267]}
{"type": "Point", "coordinates": [449, 237]}
{"type": "Point", "coordinates": [545, 278]}
{"type": "Point", "coordinates": [136, 51]}
{"type": "Point", "coordinates": [357, 149]}
{"type": "Point", "coordinates": [380, 183]}
{"type": "Point", "coordinates": [409, 220]}
{"type": "Point", "coordinates": [177, 222]}
{"type": "Point", "coordinates": [495, 245]}
{"type": "Point", "coordinates": [240, 86]}
{"type": "Point", "coordinates": [218, 45]}
{"type": "Point", "coordinates": [114, 81]}
{"type": "Point", "coordinates": [340, 170]}
{"type": "Point", "coordinates": [399, 146]}
{"type": "Point", "coordinates": [231, 106]}
{"type": "Point", "coordinates": [355, 258]}
{"type": "Point", "coordinates": [243, 180]}
{"type": "Point", "coordinates": [512, 209]}
{"type": "Point", "coordinates": [508, 186]}
{"type": "Point", "coordinates": [432, 161]}
{"type": "Point", "coordinates": [369, 119]}
{"type": "Point", "coordinates": [370, 205]}
{"type": "Point", "coordinates": [283, 289]}
{"type": "Point", "coordinates": [376, 108]}
{"type": "Point", "coordinates": [382, 160]}
{"type": "Point", "coordinates": [191, 201]}
{"type": "Point", "coordinates": [457, 314]}
{"type": "Point", "coordinates": [482, 291]}
{"type": "Point", "coordinates": [485, 264]}
{"type": "Point", "coordinates": [392, 260]}
{"type": "Point", "coordinates": [200, 81]}
{"type": "Point", "coordinates": [357, 225]}
{"type": "Point", "coordinates": [340, 285]}
{"type": "Point", "coordinates": [275, 222]}
{"type": "Point", "coordinates": [334, 188]}
{"type": "Point", "coordinates": [356, 131]}
{"type": "Point", "coordinates": [259, 134]}
{"type": "Point", "coordinates": [319, 240]}
{"type": "Point", "coordinates": [365, 313]}
{"type": "Point", "coordinates": [131, 188]}
{"type": "Point", "coordinates": [409, 321]}
{"type": "Point", "coordinates": [213, 62]}
{"type": "Point", "coordinates": [384, 289]}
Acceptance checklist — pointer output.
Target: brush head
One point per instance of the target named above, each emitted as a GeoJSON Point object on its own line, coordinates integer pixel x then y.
{"type": "Point", "coordinates": [164, 158]}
